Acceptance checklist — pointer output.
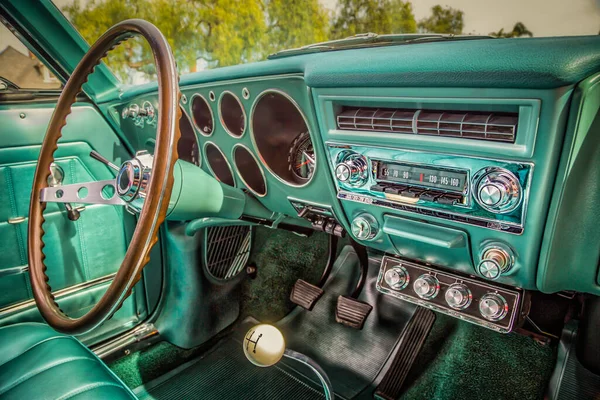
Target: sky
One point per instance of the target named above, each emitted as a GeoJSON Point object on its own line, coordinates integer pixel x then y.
{"type": "Point", "coordinates": [542, 17]}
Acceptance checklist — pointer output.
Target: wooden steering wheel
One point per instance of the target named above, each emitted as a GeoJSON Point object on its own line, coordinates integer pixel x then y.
{"type": "Point", "coordinates": [144, 183]}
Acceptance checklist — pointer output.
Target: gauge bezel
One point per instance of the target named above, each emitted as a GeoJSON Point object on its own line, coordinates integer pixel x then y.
{"type": "Point", "coordinates": [237, 170]}
{"type": "Point", "coordinates": [190, 105]}
{"type": "Point", "coordinates": [214, 174]}
{"type": "Point", "coordinates": [255, 145]}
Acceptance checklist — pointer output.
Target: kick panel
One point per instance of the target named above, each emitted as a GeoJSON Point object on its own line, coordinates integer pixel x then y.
{"type": "Point", "coordinates": [492, 306]}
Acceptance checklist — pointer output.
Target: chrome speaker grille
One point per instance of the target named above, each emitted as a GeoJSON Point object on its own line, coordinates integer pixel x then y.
{"type": "Point", "coordinates": [501, 127]}
{"type": "Point", "coordinates": [227, 250]}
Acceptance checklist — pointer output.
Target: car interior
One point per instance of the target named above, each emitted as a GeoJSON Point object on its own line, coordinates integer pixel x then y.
{"type": "Point", "coordinates": [372, 218]}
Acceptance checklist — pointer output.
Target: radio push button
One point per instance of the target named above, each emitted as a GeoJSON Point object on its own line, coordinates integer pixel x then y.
{"type": "Point", "coordinates": [449, 199]}
{"type": "Point", "coordinates": [426, 286]}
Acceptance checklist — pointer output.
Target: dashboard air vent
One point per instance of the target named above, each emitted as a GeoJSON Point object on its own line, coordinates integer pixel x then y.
{"type": "Point", "coordinates": [493, 126]}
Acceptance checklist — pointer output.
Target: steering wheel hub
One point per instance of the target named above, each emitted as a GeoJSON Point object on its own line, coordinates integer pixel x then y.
{"type": "Point", "coordinates": [133, 177]}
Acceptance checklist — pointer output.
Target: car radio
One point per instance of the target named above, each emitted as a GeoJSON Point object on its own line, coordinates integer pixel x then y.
{"type": "Point", "coordinates": [488, 193]}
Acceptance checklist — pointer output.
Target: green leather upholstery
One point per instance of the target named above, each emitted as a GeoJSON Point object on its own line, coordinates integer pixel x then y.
{"type": "Point", "coordinates": [38, 363]}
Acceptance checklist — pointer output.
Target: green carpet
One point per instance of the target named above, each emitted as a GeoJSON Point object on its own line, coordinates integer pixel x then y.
{"type": "Point", "coordinates": [281, 257]}
{"type": "Point", "coordinates": [462, 360]}
{"type": "Point", "coordinates": [148, 364]}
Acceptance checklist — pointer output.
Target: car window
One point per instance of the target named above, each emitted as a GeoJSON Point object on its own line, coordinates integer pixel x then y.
{"type": "Point", "coordinates": [20, 68]}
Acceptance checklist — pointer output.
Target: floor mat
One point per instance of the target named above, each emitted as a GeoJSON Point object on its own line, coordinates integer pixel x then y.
{"type": "Point", "coordinates": [351, 358]}
{"type": "Point", "coordinates": [281, 257]}
{"type": "Point", "coordinates": [225, 373]}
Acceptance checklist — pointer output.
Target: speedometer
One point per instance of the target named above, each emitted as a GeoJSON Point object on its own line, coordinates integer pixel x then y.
{"type": "Point", "coordinates": [301, 158]}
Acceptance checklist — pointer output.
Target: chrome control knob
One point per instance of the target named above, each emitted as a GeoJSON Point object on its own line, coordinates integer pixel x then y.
{"type": "Point", "coordinates": [364, 227]}
{"type": "Point", "coordinates": [426, 286]}
{"type": "Point", "coordinates": [497, 190]}
{"type": "Point", "coordinates": [493, 307]}
{"type": "Point", "coordinates": [458, 296]}
{"type": "Point", "coordinates": [352, 170]}
{"type": "Point", "coordinates": [496, 259]}
{"type": "Point", "coordinates": [397, 278]}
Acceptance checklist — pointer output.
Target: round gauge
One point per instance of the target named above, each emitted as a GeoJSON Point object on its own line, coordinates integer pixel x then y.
{"type": "Point", "coordinates": [301, 158]}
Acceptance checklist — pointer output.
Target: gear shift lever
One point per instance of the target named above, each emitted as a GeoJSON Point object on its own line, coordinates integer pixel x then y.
{"type": "Point", "coordinates": [264, 346]}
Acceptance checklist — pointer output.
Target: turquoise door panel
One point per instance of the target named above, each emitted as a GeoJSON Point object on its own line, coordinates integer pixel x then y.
{"type": "Point", "coordinates": [81, 255]}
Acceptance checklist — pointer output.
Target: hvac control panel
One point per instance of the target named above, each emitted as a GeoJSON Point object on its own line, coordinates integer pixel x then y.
{"type": "Point", "coordinates": [493, 306]}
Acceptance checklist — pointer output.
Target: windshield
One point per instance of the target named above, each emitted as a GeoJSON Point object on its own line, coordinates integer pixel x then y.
{"type": "Point", "coordinates": [215, 33]}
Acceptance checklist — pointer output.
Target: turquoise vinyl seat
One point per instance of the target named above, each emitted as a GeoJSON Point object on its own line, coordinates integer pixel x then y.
{"type": "Point", "coordinates": [38, 363]}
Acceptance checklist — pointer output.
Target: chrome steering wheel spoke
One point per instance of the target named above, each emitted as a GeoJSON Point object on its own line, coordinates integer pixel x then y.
{"type": "Point", "coordinates": [99, 192]}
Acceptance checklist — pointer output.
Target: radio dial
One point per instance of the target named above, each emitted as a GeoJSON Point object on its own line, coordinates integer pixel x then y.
{"type": "Point", "coordinates": [497, 190]}
{"type": "Point", "coordinates": [352, 170]}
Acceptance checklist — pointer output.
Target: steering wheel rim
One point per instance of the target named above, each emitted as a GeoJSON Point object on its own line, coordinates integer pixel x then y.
{"type": "Point", "coordinates": [159, 187]}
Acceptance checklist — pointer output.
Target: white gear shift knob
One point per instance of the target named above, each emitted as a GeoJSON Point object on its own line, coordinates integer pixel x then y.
{"type": "Point", "coordinates": [264, 345]}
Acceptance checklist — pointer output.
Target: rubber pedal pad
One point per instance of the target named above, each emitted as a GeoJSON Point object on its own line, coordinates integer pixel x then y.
{"type": "Point", "coordinates": [411, 342]}
{"type": "Point", "coordinates": [352, 312]}
{"type": "Point", "coordinates": [305, 294]}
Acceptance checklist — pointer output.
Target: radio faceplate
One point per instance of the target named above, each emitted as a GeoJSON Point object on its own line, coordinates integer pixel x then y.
{"type": "Point", "coordinates": [483, 192]}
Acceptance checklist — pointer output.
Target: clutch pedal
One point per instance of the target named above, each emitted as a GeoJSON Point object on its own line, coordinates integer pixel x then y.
{"type": "Point", "coordinates": [305, 295]}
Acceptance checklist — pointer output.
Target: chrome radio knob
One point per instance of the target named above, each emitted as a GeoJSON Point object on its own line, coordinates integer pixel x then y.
{"type": "Point", "coordinates": [493, 307]}
{"type": "Point", "coordinates": [426, 286]}
{"type": "Point", "coordinates": [397, 278]}
{"type": "Point", "coordinates": [352, 170]}
{"type": "Point", "coordinates": [497, 190]}
{"type": "Point", "coordinates": [458, 296]}
{"type": "Point", "coordinates": [365, 226]}
{"type": "Point", "coordinates": [496, 259]}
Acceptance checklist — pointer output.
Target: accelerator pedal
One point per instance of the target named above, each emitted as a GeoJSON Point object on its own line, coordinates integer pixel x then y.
{"type": "Point", "coordinates": [352, 312]}
{"type": "Point", "coordinates": [305, 294]}
{"type": "Point", "coordinates": [412, 341]}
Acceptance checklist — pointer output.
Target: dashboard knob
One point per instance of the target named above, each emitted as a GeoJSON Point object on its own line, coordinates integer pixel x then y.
{"type": "Point", "coordinates": [364, 226]}
{"type": "Point", "coordinates": [493, 307]}
{"type": "Point", "coordinates": [497, 190]}
{"type": "Point", "coordinates": [397, 278]}
{"type": "Point", "coordinates": [426, 286]}
{"type": "Point", "coordinates": [458, 296]}
{"type": "Point", "coordinates": [353, 169]}
{"type": "Point", "coordinates": [496, 259]}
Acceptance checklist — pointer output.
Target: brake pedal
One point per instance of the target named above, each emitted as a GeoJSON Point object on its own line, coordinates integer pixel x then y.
{"type": "Point", "coordinates": [305, 295]}
{"type": "Point", "coordinates": [352, 312]}
{"type": "Point", "coordinates": [412, 341]}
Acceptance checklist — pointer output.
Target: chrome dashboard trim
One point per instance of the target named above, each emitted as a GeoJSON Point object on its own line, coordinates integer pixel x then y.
{"type": "Point", "coordinates": [225, 158]}
{"type": "Point", "coordinates": [246, 121]}
{"type": "Point", "coordinates": [262, 160]}
{"type": "Point", "coordinates": [193, 120]}
{"type": "Point", "coordinates": [259, 168]}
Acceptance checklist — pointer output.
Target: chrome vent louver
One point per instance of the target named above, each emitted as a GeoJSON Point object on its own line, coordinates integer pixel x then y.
{"type": "Point", "coordinates": [493, 126]}
{"type": "Point", "coordinates": [227, 250]}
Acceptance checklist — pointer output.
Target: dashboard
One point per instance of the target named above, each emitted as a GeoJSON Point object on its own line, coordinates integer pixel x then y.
{"type": "Point", "coordinates": [468, 167]}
